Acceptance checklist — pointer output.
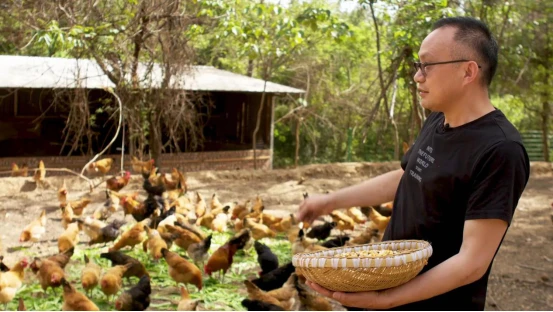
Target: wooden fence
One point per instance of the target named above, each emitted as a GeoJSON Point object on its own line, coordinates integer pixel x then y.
{"type": "Point", "coordinates": [532, 140]}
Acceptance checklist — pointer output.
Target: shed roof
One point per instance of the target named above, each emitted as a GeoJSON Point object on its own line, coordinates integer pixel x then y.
{"type": "Point", "coordinates": [51, 72]}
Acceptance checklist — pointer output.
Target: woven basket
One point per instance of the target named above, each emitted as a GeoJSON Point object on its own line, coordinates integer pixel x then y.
{"type": "Point", "coordinates": [364, 273]}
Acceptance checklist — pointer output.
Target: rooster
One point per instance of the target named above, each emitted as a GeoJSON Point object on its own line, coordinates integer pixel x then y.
{"type": "Point", "coordinates": [117, 183]}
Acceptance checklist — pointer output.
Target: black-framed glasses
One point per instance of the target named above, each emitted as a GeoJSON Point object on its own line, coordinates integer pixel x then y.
{"type": "Point", "coordinates": [422, 66]}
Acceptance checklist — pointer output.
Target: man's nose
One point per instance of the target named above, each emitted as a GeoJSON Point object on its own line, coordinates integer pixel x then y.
{"type": "Point", "coordinates": [419, 77]}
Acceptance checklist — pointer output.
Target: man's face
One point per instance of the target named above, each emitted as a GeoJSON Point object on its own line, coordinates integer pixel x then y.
{"type": "Point", "coordinates": [443, 83]}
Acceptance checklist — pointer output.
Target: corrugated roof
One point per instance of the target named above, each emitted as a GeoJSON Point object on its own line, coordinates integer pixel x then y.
{"type": "Point", "coordinates": [51, 72]}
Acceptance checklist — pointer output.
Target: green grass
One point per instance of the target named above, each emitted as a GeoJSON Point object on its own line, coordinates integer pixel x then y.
{"type": "Point", "coordinates": [216, 295]}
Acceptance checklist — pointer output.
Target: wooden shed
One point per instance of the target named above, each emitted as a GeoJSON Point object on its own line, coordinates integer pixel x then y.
{"type": "Point", "coordinates": [31, 128]}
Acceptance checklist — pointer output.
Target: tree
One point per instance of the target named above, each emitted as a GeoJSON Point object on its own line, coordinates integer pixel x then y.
{"type": "Point", "coordinates": [143, 48]}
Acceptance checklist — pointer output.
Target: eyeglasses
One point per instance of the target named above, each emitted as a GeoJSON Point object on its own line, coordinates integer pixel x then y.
{"type": "Point", "coordinates": [422, 66]}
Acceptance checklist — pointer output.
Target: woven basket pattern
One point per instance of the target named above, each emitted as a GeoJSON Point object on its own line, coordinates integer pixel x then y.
{"type": "Point", "coordinates": [364, 274]}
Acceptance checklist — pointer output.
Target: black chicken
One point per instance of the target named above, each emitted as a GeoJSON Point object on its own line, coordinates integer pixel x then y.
{"type": "Point", "coordinates": [137, 298]}
{"type": "Point", "coordinates": [321, 232]}
{"type": "Point", "coordinates": [276, 278]}
{"type": "Point", "coordinates": [267, 260]}
{"type": "Point", "coordinates": [338, 241]}
{"type": "Point", "coordinates": [258, 305]}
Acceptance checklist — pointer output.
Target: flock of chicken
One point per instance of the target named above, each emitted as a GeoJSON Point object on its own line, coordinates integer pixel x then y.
{"type": "Point", "coordinates": [167, 217]}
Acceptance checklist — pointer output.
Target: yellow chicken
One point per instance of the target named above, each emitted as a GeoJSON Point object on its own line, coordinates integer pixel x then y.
{"type": "Point", "coordinates": [70, 237]}
{"type": "Point", "coordinates": [154, 244]}
{"type": "Point", "coordinates": [34, 231]}
{"type": "Point", "coordinates": [200, 205]}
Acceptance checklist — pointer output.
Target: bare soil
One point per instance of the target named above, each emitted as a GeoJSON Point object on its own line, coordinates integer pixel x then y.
{"type": "Point", "coordinates": [522, 274]}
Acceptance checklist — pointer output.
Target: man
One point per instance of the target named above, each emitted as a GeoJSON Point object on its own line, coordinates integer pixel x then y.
{"type": "Point", "coordinates": [459, 183]}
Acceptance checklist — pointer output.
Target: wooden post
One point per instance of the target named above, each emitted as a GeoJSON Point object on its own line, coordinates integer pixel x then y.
{"type": "Point", "coordinates": [272, 132]}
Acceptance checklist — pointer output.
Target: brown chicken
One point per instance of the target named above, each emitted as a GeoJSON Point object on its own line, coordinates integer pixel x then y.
{"type": "Point", "coordinates": [112, 280]}
{"type": "Point", "coordinates": [221, 259]}
{"type": "Point", "coordinates": [363, 238]}
{"type": "Point", "coordinates": [62, 259]}
{"type": "Point", "coordinates": [139, 166]}
{"type": "Point", "coordinates": [258, 230]}
{"type": "Point", "coordinates": [380, 222]}
{"type": "Point", "coordinates": [356, 214]}
{"type": "Point", "coordinates": [181, 270]}
{"type": "Point", "coordinates": [74, 300]}
{"type": "Point", "coordinates": [343, 221]}
{"type": "Point", "coordinates": [240, 211]}
{"type": "Point", "coordinates": [185, 303]}
{"type": "Point", "coordinates": [78, 206]}
{"type": "Point", "coordinates": [287, 295]}
{"type": "Point", "coordinates": [62, 193]}
{"type": "Point", "coordinates": [20, 172]}
{"type": "Point", "coordinates": [136, 269]}
{"type": "Point", "coordinates": [304, 244]}
{"type": "Point", "coordinates": [34, 230]}
{"type": "Point", "coordinates": [130, 205]}
{"type": "Point", "coordinates": [258, 205]}
{"type": "Point", "coordinates": [66, 215]}
{"type": "Point", "coordinates": [215, 203]}
{"type": "Point", "coordinates": [206, 220]}
{"type": "Point", "coordinates": [117, 183]}
{"type": "Point", "coordinates": [11, 281]}
{"type": "Point", "coordinates": [201, 205]}
{"type": "Point", "coordinates": [284, 225]}
{"type": "Point", "coordinates": [101, 166]}
{"type": "Point", "coordinates": [49, 273]}
{"type": "Point", "coordinates": [154, 243]}
{"type": "Point", "coordinates": [183, 237]}
{"type": "Point", "coordinates": [254, 293]}
{"type": "Point", "coordinates": [131, 237]}
{"type": "Point", "coordinates": [269, 219]}
{"type": "Point", "coordinates": [40, 174]}
{"type": "Point", "coordinates": [311, 301]}
{"type": "Point", "coordinates": [90, 276]}
{"type": "Point", "coordinates": [174, 182]}
{"type": "Point", "coordinates": [70, 237]}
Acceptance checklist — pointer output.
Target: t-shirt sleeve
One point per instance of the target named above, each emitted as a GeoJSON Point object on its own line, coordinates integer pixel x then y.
{"type": "Point", "coordinates": [499, 178]}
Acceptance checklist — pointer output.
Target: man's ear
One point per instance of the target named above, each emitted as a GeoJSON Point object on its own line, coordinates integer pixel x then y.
{"type": "Point", "coordinates": [471, 72]}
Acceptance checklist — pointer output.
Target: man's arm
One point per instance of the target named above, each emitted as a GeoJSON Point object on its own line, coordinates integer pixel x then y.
{"type": "Point", "coordinates": [375, 191]}
{"type": "Point", "coordinates": [481, 239]}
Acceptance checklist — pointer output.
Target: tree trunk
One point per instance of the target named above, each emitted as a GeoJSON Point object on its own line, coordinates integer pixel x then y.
{"type": "Point", "coordinates": [297, 154]}
{"type": "Point", "coordinates": [258, 124]}
{"type": "Point", "coordinates": [249, 72]}
{"type": "Point", "coordinates": [394, 124]}
{"type": "Point", "coordinates": [155, 138]}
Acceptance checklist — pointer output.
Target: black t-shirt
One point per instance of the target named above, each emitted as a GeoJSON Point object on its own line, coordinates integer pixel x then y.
{"type": "Point", "coordinates": [475, 171]}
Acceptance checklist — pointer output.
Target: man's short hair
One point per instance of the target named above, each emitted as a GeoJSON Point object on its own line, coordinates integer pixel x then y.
{"type": "Point", "coordinates": [475, 35]}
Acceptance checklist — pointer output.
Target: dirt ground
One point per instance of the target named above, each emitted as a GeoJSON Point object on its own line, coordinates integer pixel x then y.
{"type": "Point", "coordinates": [522, 274]}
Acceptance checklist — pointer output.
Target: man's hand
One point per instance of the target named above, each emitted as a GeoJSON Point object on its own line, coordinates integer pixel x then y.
{"type": "Point", "coordinates": [313, 207]}
{"type": "Point", "coordinates": [364, 300]}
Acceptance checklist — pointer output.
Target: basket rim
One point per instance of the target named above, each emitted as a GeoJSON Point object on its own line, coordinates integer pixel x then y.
{"type": "Point", "coordinates": [414, 250]}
